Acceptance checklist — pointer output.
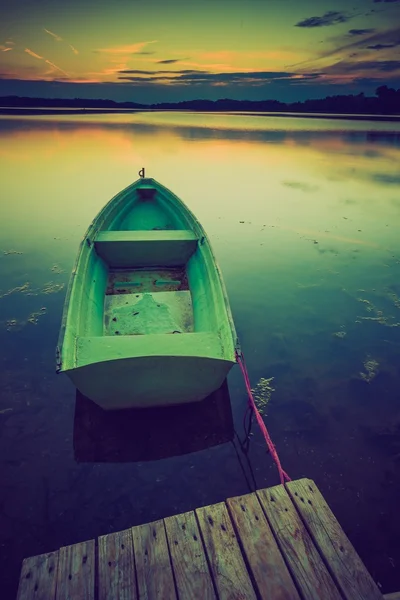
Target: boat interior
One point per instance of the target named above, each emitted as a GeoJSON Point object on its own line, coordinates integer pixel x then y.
{"type": "Point", "coordinates": [148, 272]}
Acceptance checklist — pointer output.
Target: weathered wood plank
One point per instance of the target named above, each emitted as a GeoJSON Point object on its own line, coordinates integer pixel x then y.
{"type": "Point", "coordinates": [224, 555]}
{"type": "Point", "coordinates": [263, 556]}
{"type": "Point", "coordinates": [153, 565]}
{"type": "Point", "coordinates": [189, 561]}
{"type": "Point", "coordinates": [302, 557]}
{"type": "Point", "coordinates": [117, 567]}
{"type": "Point", "coordinates": [38, 577]}
{"type": "Point", "coordinates": [347, 569]}
{"type": "Point", "coordinates": [75, 575]}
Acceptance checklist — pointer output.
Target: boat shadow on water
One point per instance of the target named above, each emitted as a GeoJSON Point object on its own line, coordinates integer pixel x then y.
{"type": "Point", "coordinates": [144, 434]}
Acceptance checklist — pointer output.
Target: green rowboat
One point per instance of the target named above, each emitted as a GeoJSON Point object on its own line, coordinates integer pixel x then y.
{"type": "Point", "coordinates": [146, 319]}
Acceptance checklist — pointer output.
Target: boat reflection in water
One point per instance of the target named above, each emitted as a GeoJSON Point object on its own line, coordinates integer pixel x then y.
{"type": "Point", "coordinates": [135, 435]}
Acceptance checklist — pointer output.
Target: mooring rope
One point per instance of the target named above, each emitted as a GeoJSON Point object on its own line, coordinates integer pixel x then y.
{"type": "Point", "coordinates": [282, 474]}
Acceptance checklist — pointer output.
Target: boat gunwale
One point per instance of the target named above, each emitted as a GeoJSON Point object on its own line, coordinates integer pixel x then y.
{"type": "Point", "coordinates": [89, 238]}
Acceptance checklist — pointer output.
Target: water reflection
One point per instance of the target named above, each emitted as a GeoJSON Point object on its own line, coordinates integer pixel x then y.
{"type": "Point", "coordinates": [303, 218]}
{"type": "Point", "coordinates": [152, 433]}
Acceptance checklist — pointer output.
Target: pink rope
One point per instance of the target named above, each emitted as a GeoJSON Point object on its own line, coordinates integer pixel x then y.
{"type": "Point", "coordinates": [282, 474]}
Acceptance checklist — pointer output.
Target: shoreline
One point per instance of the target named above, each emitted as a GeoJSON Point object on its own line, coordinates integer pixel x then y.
{"type": "Point", "coordinates": [29, 111]}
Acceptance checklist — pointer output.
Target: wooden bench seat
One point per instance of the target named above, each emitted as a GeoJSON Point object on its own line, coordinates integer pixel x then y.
{"type": "Point", "coordinates": [167, 248]}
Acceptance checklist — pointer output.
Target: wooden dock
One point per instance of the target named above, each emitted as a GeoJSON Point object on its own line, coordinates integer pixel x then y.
{"type": "Point", "coordinates": [280, 543]}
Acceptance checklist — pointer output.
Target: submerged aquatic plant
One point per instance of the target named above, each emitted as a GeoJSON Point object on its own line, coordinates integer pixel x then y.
{"type": "Point", "coordinates": [262, 394]}
{"type": "Point", "coordinates": [8, 252]}
{"type": "Point", "coordinates": [379, 316]}
{"type": "Point", "coordinates": [49, 288]}
{"type": "Point", "coordinates": [372, 368]}
{"type": "Point", "coordinates": [15, 325]}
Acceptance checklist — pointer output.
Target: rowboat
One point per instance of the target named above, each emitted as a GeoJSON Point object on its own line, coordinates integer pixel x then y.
{"type": "Point", "coordinates": [146, 320]}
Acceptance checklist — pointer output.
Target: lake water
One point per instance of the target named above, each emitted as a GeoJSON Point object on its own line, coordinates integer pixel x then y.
{"type": "Point", "coordinates": [303, 216]}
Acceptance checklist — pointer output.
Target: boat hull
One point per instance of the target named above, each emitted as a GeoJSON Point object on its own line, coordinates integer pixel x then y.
{"type": "Point", "coordinates": [150, 381]}
{"type": "Point", "coordinates": [146, 319]}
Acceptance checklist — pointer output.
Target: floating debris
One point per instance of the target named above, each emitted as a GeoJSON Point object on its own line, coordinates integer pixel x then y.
{"type": "Point", "coordinates": [57, 269]}
{"type": "Point", "coordinates": [48, 288]}
{"type": "Point", "coordinates": [8, 252]}
{"type": "Point", "coordinates": [395, 299]}
{"type": "Point", "coordinates": [20, 288]}
{"type": "Point", "coordinates": [262, 394]}
{"type": "Point", "coordinates": [387, 320]}
{"type": "Point", "coordinates": [15, 325]}
{"type": "Point", "coordinates": [52, 288]}
{"type": "Point", "coordinates": [339, 334]}
{"type": "Point", "coordinates": [34, 316]}
{"type": "Point", "coordinates": [371, 366]}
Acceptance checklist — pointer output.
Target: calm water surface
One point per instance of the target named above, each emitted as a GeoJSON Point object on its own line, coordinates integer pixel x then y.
{"type": "Point", "coordinates": [304, 218]}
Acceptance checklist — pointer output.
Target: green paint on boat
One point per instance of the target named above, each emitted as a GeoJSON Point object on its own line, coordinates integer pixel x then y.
{"type": "Point", "coordinates": [146, 320]}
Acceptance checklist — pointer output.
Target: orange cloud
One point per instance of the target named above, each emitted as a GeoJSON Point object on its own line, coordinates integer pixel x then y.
{"type": "Point", "coordinates": [128, 49]}
{"type": "Point", "coordinates": [55, 67]}
{"type": "Point", "coordinates": [74, 50]}
{"type": "Point", "coordinates": [5, 48]}
{"type": "Point", "coordinates": [31, 53]}
{"type": "Point", "coordinates": [54, 35]}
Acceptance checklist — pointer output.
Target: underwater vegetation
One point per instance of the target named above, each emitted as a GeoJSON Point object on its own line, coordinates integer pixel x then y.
{"type": "Point", "coordinates": [371, 367]}
{"type": "Point", "coordinates": [379, 316]}
{"type": "Point", "coordinates": [262, 394]}
{"type": "Point", "coordinates": [48, 288]}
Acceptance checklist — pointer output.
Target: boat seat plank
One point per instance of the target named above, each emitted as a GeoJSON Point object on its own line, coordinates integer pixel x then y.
{"type": "Point", "coordinates": [153, 565]}
{"type": "Point", "coordinates": [116, 566]}
{"type": "Point", "coordinates": [345, 564]}
{"type": "Point", "coordinates": [137, 248]}
{"type": "Point", "coordinates": [38, 577]}
{"type": "Point", "coordinates": [227, 565]}
{"type": "Point", "coordinates": [76, 571]}
{"type": "Point", "coordinates": [302, 557]}
{"type": "Point", "coordinates": [189, 561]}
{"type": "Point", "coordinates": [96, 349]}
{"type": "Point", "coordinates": [272, 578]}
{"type": "Point", "coordinates": [144, 235]}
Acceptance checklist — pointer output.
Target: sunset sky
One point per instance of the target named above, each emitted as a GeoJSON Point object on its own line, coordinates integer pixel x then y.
{"type": "Point", "coordinates": [171, 50]}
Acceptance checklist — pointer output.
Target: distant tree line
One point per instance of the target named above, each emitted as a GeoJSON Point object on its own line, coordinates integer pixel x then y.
{"type": "Point", "coordinates": [385, 102]}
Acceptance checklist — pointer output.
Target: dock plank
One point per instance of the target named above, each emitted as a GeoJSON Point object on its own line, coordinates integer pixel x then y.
{"type": "Point", "coordinates": [302, 557]}
{"type": "Point", "coordinates": [272, 577]}
{"type": "Point", "coordinates": [116, 566]}
{"type": "Point", "coordinates": [76, 570]}
{"type": "Point", "coordinates": [38, 577]}
{"type": "Point", "coordinates": [227, 565]}
{"type": "Point", "coordinates": [344, 563]}
{"type": "Point", "coordinates": [153, 565]}
{"type": "Point", "coordinates": [189, 561]}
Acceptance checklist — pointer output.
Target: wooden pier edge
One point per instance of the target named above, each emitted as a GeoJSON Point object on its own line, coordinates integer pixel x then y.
{"type": "Point", "coordinates": [280, 543]}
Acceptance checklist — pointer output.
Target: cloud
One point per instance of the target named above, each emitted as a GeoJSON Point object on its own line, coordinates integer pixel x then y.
{"type": "Point", "coordinates": [360, 31]}
{"type": "Point", "coordinates": [379, 66]}
{"type": "Point", "coordinates": [54, 35]}
{"type": "Point", "coordinates": [378, 1]}
{"type": "Point", "coordinates": [388, 36]}
{"type": "Point", "coordinates": [127, 49]}
{"type": "Point", "coordinates": [31, 53]}
{"type": "Point", "coordinates": [58, 38]}
{"type": "Point", "coordinates": [169, 61]}
{"type": "Point", "coordinates": [4, 48]}
{"type": "Point", "coordinates": [186, 77]}
{"type": "Point", "coordinates": [146, 52]}
{"type": "Point", "coordinates": [55, 67]}
{"type": "Point", "coordinates": [383, 46]}
{"type": "Point", "coordinates": [331, 17]}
